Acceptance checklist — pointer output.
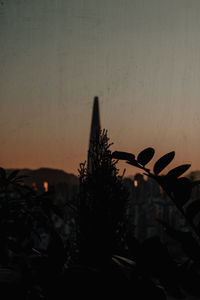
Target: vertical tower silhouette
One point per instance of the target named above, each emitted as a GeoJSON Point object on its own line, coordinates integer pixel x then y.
{"type": "Point", "coordinates": [94, 133]}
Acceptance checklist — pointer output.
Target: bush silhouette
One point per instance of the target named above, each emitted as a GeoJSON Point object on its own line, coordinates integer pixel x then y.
{"type": "Point", "coordinates": [24, 214]}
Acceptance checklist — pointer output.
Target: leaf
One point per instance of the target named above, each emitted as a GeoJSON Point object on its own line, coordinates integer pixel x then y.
{"type": "Point", "coordinates": [123, 155]}
{"type": "Point", "coordinates": [145, 156]}
{"type": "Point", "coordinates": [178, 171]}
{"type": "Point", "coordinates": [2, 173]}
{"type": "Point", "coordinates": [163, 162]}
{"type": "Point", "coordinates": [124, 260]}
{"type": "Point", "coordinates": [13, 174]}
{"type": "Point", "coordinates": [193, 209]}
{"type": "Point", "coordinates": [21, 177]}
{"type": "Point", "coordinates": [182, 190]}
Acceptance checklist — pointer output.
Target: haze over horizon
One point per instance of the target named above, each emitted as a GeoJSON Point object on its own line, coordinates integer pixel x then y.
{"type": "Point", "coordinates": [141, 57]}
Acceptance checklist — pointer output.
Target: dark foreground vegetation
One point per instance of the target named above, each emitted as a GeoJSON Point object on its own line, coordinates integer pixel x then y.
{"type": "Point", "coordinates": [102, 258]}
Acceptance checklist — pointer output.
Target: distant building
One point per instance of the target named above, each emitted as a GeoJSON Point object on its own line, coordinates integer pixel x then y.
{"type": "Point", "coordinates": [147, 202]}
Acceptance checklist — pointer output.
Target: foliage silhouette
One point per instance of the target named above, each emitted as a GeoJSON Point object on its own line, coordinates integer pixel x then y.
{"type": "Point", "coordinates": [143, 268]}
{"type": "Point", "coordinates": [179, 189]}
{"type": "Point", "coordinates": [24, 214]}
{"type": "Point", "coordinates": [101, 215]}
{"type": "Point", "coordinates": [102, 204]}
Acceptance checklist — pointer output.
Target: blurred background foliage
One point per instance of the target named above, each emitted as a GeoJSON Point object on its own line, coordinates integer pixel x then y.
{"type": "Point", "coordinates": [38, 260]}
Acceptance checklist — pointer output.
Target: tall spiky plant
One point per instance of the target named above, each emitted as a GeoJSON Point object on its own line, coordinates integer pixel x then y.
{"type": "Point", "coordinates": [103, 199]}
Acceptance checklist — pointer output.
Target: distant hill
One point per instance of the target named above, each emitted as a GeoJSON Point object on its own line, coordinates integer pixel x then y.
{"type": "Point", "coordinates": [52, 176]}
{"type": "Point", "coordinates": [55, 176]}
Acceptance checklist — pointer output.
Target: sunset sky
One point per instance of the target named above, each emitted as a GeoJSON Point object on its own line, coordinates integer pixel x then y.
{"type": "Point", "coordinates": [141, 57]}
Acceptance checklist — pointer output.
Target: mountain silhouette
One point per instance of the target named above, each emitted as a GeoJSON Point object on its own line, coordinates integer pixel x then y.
{"type": "Point", "coordinates": [52, 176]}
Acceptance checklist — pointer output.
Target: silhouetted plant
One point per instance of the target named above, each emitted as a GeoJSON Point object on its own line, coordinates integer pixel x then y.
{"type": "Point", "coordinates": [24, 215]}
{"type": "Point", "coordinates": [103, 199]}
{"type": "Point", "coordinates": [177, 188]}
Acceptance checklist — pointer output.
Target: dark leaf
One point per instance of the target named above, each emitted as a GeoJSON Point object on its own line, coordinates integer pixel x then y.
{"type": "Point", "coordinates": [2, 173]}
{"type": "Point", "coordinates": [163, 162]}
{"type": "Point", "coordinates": [124, 260]}
{"type": "Point", "coordinates": [145, 156]}
{"type": "Point", "coordinates": [18, 178]}
{"type": "Point", "coordinates": [13, 174]}
{"type": "Point", "coordinates": [123, 155]}
{"type": "Point", "coordinates": [193, 209]}
{"type": "Point", "coordinates": [178, 171]}
{"type": "Point", "coordinates": [182, 190]}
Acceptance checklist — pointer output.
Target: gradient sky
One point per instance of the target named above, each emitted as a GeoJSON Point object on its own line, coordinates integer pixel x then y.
{"type": "Point", "coordinates": [141, 57]}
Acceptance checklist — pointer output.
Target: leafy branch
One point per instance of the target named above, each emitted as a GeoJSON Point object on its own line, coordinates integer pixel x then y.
{"type": "Point", "coordinates": [178, 188]}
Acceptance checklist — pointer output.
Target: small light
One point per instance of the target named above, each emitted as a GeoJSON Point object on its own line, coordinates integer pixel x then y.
{"type": "Point", "coordinates": [135, 183]}
{"type": "Point", "coordinates": [46, 186]}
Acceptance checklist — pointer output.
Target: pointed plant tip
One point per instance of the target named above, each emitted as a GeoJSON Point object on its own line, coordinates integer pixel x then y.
{"type": "Point", "coordinates": [178, 171]}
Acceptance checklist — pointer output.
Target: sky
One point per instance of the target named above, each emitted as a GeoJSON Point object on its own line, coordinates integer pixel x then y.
{"type": "Point", "coordinates": [140, 57]}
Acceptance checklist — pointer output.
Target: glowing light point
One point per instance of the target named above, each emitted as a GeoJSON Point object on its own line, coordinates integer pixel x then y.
{"type": "Point", "coordinates": [135, 183]}
{"type": "Point", "coordinates": [46, 186]}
